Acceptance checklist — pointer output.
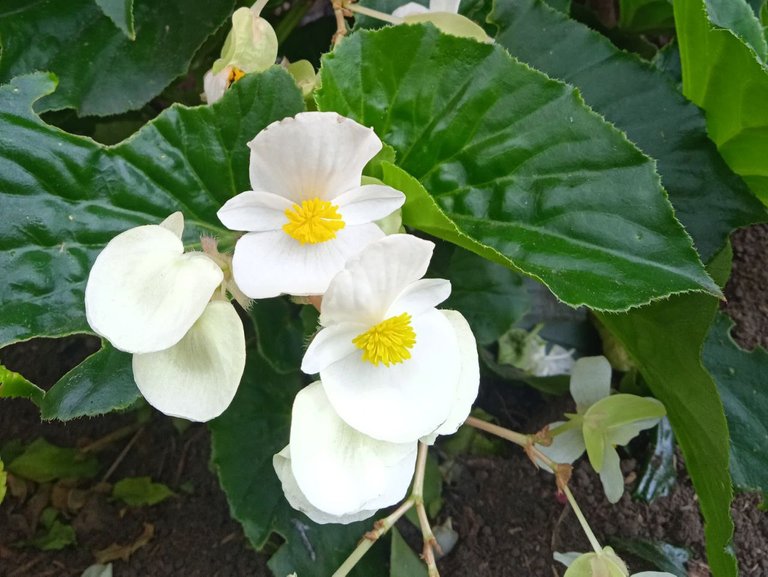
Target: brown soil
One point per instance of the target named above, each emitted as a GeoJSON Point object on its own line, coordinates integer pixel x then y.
{"type": "Point", "coordinates": [508, 516]}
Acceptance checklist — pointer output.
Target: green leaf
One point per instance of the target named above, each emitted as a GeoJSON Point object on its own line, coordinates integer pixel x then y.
{"type": "Point", "coordinates": [614, 412]}
{"type": "Point", "coordinates": [57, 535]}
{"type": "Point", "coordinates": [403, 562]}
{"type": "Point", "coordinates": [102, 71]}
{"type": "Point", "coordinates": [139, 491]}
{"type": "Point", "coordinates": [708, 198]}
{"type": "Point", "coordinates": [740, 376]}
{"type": "Point", "coordinates": [13, 385]}
{"type": "Point", "coordinates": [490, 296]}
{"type": "Point", "coordinates": [738, 17]}
{"type": "Point", "coordinates": [725, 77]}
{"type": "Point", "coordinates": [665, 340]}
{"type": "Point", "coordinates": [102, 383]}
{"type": "Point", "coordinates": [518, 163]}
{"type": "Point", "coordinates": [42, 462]}
{"type": "Point", "coordinates": [646, 16]}
{"type": "Point", "coordinates": [121, 13]}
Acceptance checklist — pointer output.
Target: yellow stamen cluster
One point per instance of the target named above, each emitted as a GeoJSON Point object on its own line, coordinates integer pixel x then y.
{"type": "Point", "coordinates": [313, 221]}
{"type": "Point", "coordinates": [388, 342]}
{"type": "Point", "coordinates": [235, 74]}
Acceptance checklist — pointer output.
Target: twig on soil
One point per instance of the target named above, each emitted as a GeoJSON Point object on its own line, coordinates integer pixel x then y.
{"type": "Point", "coordinates": [106, 440]}
{"type": "Point", "coordinates": [121, 456]}
{"type": "Point", "coordinates": [184, 453]}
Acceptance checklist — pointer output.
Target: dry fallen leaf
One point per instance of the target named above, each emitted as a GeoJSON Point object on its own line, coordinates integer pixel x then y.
{"type": "Point", "coordinates": [123, 552]}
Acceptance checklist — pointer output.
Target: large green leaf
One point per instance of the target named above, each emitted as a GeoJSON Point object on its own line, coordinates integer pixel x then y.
{"type": "Point", "coordinates": [103, 71]}
{"type": "Point", "coordinates": [741, 379]}
{"type": "Point", "coordinates": [665, 340]}
{"type": "Point", "coordinates": [708, 198]}
{"type": "Point", "coordinates": [518, 163]}
{"type": "Point", "coordinates": [64, 197]}
{"type": "Point", "coordinates": [726, 78]}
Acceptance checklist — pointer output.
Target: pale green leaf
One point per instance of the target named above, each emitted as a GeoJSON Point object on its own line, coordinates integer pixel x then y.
{"type": "Point", "coordinates": [139, 491]}
{"type": "Point", "coordinates": [56, 535]}
{"type": "Point", "coordinates": [42, 462]}
{"type": "Point", "coordinates": [726, 78]}
{"type": "Point", "coordinates": [517, 164]}
{"type": "Point", "coordinates": [13, 385]}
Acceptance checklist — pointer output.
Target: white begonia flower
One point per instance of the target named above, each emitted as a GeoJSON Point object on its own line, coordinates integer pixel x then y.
{"type": "Point", "coordinates": [601, 423]}
{"type": "Point", "coordinates": [307, 213]}
{"type": "Point", "coordinates": [147, 297]}
{"type": "Point", "coordinates": [532, 354]}
{"type": "Point", "coordinates": [450, 6]}
{"type": "Point", "coordinates": [393, 366]}
{"type": "Point", "coordinates": [335, 474]}
{"type": "Point", "coordinates": [251, 46]}
{"type": "Point", "coordinates": [603, 564]}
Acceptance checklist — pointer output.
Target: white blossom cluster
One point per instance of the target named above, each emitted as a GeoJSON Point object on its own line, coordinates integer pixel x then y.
{"type": "Point", "coordinates": [393, 369]}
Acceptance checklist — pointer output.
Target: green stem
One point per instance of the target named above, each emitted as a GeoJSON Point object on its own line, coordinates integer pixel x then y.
{"type": "Point", "coordinates": [583, 521]}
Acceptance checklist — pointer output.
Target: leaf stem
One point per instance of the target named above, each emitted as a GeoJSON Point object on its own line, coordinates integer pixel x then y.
{"type": "Point", "coordinates": [373, 13]}
{"type": "Point", "coordinates": [583, 521]}
{"type": "Point", "coordinates": [512, 436]}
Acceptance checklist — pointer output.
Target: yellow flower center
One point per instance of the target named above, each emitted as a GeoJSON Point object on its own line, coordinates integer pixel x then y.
{"type": "Point", "coordinates": [235, 74]}
{"type": "Point", "coordinates": [388, 342]}
{"type": "Point", "coordinates": [313, 221]}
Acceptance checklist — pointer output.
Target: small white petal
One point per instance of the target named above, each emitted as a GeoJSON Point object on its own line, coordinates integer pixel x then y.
{"type": "Point", "coordinates": [451, 6]}
{"type": "Point", "coordinates": [312, 155]}
{"type": "Point", "coordinates": [255, 211]}
{"type": "Point", "coordinates": [143, 294]}
{"type": "Point", "coordinates": [267, 264]}
{"type": "Point", "coordinates": [469, 377]}
{"type": "Point", "coordinates": [611, 477]}
{"type": "Point", "coordinates": [590, 381]}
{"type": "Point", "coordinates": [331, 345]}
{"type": "Point", "coordinates": [653, 574]}
{"type": "Point", "coordinates": [565, 448]}
{"type": "Point", "coordinates": [174, 223]}
{"type": "Point", "coordinates": [368, 203]}
{"type": "Point", "coordinates": [410, 9]}
{"type": "Point", "coordinates": [197, 378]}
{"type": "Point", "coordinates": [370, 282]}
{"type": "Point", "coordinates": [419, 297]}
{"type": "Point", "coordinates": [282, 465]}
{"type": "Point", "coordinates": [215, 85]}
{"type": "Point", "coordinates": [338, 469]}
{"type": "Point", "coordinates": [402, 402]}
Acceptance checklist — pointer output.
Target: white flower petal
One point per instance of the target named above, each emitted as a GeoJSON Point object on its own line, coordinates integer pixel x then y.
{"type": "Point", "coordinates": [255, 211]}
{"type": "Point", "coordinates": [565, 448]}
{"type": "Point", "coordinates": [267, 264]}
{"type": "Point", "coordinates": [420, 296]}
{"type": "Point", "coordinates": [653, 574]}
{"type": "Point", "coordinates": [566, 559]}
{"type": "Point", "coordinates": [143, 294]}
{"type": "Point", "coordinates": [590, 381]}
{"type": "Point", "coordinates": [410, 9]}
{"type": "Point", "coordinates": [197, 378]}
{"type": "Point", "coordinates": [611, 477]}
{"type": "Point", "coordinates": [174, 223]}
{"type": "Point", "coordinates": [331, 345]}
{"type": "Point", "coordinates": [312, 155]}
{"type": "Point", "coordinates": [402, 402]}
{"type": "Point", "coordinates": [340, 470]}
{"type": "Point", "coordinates": [469, 377]}
{"type": "Point", "coordinates": [371, 282]}
{"type": "Point", "coordinates": [282, 464]}
{"type": "Point", "coordinates": [368, 203]}
{"type": "Point", "coordinates": [215, 85]}
{"type": "Point", "coordinates": [444, 6]}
